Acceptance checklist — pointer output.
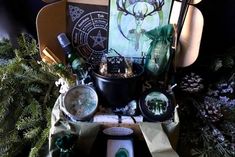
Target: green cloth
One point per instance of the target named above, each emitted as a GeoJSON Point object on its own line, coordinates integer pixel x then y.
{"type": "Point", "coordinates": [159, 51]}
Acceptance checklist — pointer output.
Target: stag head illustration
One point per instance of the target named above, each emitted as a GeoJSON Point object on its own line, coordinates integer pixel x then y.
{"type": "Point", "coordinates": [139, 11]}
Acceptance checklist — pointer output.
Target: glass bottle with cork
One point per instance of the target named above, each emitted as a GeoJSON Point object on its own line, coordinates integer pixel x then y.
{"type": "Point", "coordinates": [73, 60]}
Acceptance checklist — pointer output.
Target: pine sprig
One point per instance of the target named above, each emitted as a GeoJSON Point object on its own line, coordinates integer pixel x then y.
{"type": "Point", "coordinates": [28, 93]}
{"type": "Point", "coordinates": [35, 88]}
{"type": "Point", "coordinates": [44, 138]}
{"type": "Point", "coordinates": [4, 111]}
{"type": "Point", "coordinates": [27, 47]}
{"type": "Point", "coordinates": [8, 140]}
{"type": "Point", "coordinates": [9, 137]}
{"type": "Point", "coordinates": [6, 49]}
{"type": "Point", "coordinates": [61, 70]}
{"type": "Point", "coordinates": [48, 116]}
{"type": "Point", "coordinates": [26, 123]}
{"type": "Point", "coordinates": [32, 134]}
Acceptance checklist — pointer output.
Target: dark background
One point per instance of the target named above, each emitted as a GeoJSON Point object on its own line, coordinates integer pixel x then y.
{"type": "Point", "coordinates": [18, 16]}
{"type": "Point", "coordinates": [218, 33]}
{"type": "Point", "coordinates": [217, 39]}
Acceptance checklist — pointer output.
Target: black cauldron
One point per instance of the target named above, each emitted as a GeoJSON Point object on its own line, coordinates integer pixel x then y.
{"type": "Point", "coordinates": [117, 92]}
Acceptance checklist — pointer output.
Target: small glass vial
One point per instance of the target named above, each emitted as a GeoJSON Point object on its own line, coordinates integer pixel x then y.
{"type": "Point", "coordinates": [76, 63]}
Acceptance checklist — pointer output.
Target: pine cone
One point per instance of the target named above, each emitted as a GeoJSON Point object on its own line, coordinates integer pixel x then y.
{"type": "Point", "coordinates": [191, 83]}
{"type": "Point", "coordinates": [211, 109]}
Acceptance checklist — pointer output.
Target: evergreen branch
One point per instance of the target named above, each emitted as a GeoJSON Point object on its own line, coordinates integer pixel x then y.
{"type": "Point", "coordinates": [4, 150]}
{"type": "Point", "coordinates": [43, 138]}
{"type": "Point", "coordinates": [49, 74]}
{"type": "Point", "coordinates": [33, 109]}
{"type": "Point", "coordinates": [24, 103]}
{"type": "Point", "coordinates": [10, 143]}
{"type": "Point", "coordinates": [47, 96]}
{"type": "Point", "coordinates": [41, 78]}
{"type": "Point", "coordinates": [27, 123]}
{"type": "Point", "coordinates": [223, 151]}
{"type": "Point", "coordinates": [6, 49]}
{"type": "Point", "coordinates": [9, 122]}
{"type": "Point", "coordinates": [34, 88]}
{"type": "Point", "coordinates": [45, 101]}
{"type": "Point", "coordinates": [32, 134]}
{"type": "Point", "coordinates": [59, 70]}
{"type": "Point", "coordinates": [31, 116]}
{"type": "Point", "coordinates": [26, 67]}
{"type": "Point", "coordinates": [4, 111]}
{"type": "Point", "coordinates": [9, 138]}
{"type": "Point", "coordinates": [12, 67]}
{"type": "Point", "coordinates": [48, 117]}
{"type": "Point", "coordinates": [27, 45]}
{"type": "Point", "coordinates": [10, 150]}
{"type": "Point", "coordinates": [33, 78]}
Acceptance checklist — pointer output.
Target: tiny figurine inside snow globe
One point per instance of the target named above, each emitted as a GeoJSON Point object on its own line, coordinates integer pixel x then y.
{"type": "Point", "coordinates": [156, 105]}
{"type": "Point", "coordinates": [80, 102]}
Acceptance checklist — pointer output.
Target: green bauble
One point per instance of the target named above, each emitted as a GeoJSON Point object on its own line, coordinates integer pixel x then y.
{"type": "Point", "coordinates": [159, 51]}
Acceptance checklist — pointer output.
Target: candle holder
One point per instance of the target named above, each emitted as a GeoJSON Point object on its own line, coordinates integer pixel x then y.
{"type": "Point", "coordinates": [119, 142]}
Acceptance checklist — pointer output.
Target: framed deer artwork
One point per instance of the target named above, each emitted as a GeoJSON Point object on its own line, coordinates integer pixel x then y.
{"type": "Point", "coordinates": [130, 19]}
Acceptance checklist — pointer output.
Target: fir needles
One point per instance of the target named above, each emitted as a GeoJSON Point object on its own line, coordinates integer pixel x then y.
{"type": "Point", "coordinates": [28, 93]}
